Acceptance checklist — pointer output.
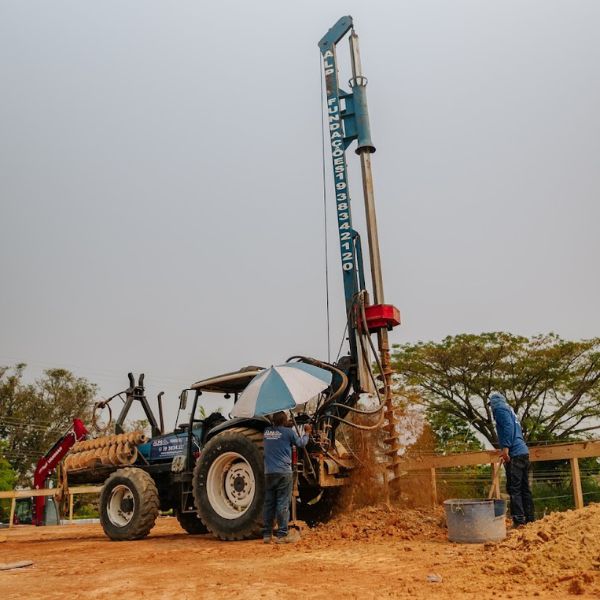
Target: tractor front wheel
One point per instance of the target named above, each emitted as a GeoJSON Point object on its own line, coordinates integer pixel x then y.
{"type": "Point", "coordinates": [129, 504]}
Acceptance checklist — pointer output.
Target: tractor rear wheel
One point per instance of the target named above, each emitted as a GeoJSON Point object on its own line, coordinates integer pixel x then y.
{"type": "Point", "coordinates": [129, 504]}
{"type": "Point", "coordinates": [229, 485]}
{"type": "Point", "coordinates": [191, 523]}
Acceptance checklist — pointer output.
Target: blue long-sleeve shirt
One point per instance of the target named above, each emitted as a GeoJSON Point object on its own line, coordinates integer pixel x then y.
{"type": "Point", "coordinates": [278, 448]}
{"type": "Point", "coordinates": [508, 428]}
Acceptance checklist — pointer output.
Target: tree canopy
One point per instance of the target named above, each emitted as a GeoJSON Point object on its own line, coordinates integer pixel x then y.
{"type": "Point", "coordinates": [449, 432]}
{"type": "Point", "coordinates": [8, 476]}
{"type": "Point", "coordinates": [552, 384]}
{"type": "Point", "coordinates": [33, 416]}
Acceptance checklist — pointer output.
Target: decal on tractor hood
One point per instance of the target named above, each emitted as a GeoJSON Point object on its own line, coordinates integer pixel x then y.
{"type": "Point", "coordinates": [167, 447]}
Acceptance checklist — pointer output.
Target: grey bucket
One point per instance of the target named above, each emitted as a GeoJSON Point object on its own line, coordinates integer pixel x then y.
{"type": "Point", "coordinates": [475, 521]}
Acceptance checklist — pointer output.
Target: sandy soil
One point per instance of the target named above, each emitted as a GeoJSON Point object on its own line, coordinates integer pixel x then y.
{"type": "Point", "coordinates": [371, 553]}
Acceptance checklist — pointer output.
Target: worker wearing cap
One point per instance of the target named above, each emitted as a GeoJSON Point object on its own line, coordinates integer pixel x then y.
{"type": "Point", "coordinates": [278, 440]}
{"type": "Point", "coordinates": [514, 454]}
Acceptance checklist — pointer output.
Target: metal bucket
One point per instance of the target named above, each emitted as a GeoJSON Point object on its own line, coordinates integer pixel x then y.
{"type": "Point", "coordinates": [475, 521]}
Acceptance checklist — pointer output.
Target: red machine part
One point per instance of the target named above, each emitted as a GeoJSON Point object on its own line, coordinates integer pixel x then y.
{"type": "Point", "coordinates": [382, 315]}
{"type": "Point", "coordinates": [48, 463]}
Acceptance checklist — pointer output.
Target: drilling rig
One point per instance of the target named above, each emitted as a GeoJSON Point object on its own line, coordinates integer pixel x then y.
{"type": "Point", "coordinates": [348, 120]}
{"type": "Point", "coordinates": [211, 470]}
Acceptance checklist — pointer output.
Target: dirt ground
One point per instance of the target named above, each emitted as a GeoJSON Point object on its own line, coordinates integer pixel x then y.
{"type": "Point", "coordinates": [375, 552]}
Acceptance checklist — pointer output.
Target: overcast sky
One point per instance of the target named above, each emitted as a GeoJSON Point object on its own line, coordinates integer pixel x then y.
{"type": "Point", "coordinates": [161, 178]}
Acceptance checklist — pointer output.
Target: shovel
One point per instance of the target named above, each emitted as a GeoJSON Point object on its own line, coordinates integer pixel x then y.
{"type": "Point", "coordinates": [495, 489]}
{"type": "Point", "coordinates": [294, 524]}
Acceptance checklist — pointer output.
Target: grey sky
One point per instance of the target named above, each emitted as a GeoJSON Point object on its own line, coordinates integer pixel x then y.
{"type": "Point", "coordinates": [161, 193]}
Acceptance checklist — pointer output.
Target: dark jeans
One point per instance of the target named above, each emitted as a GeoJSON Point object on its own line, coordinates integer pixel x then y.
{"type": "Point", "coordinates": [517, 486]}
{"type": "Point", "coordinates": [278, 495]}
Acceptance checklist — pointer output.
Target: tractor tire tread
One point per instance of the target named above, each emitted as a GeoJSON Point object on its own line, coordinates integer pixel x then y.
{"type": "Point", "coordinates": [149, 503]}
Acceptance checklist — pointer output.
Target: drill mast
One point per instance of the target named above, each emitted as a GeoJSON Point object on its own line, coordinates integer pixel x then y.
{"type": "Point", "coordinates": [347, 121]}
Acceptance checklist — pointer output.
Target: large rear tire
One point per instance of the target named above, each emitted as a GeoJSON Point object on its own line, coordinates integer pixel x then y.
{"type": "Point", "coordinates": [229, 485]}
{"type": "Point", "coordinates": [191, 523]}
{"type": "Point", "coordinates": [129, 504]}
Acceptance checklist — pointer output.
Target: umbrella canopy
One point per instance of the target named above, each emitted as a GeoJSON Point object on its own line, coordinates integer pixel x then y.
{"type": "Point", "coordinates": [280, 388]}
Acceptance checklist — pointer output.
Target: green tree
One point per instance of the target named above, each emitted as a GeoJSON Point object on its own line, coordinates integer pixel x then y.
{"type": "Point", "coordinates": [137, 425]}
{"type": "Point", "coordinates": [33, 416]}
{"type": "Point", "coordinates": [8, 478]}
{"type": "Point", "coordinates": [552, 384]}
{"type": "Point", "coordinates": [451, 433]}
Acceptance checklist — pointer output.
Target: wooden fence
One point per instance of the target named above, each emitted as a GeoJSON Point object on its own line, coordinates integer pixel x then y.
{"type": "Point", "coordinates": [571, 452]}
{"type": "Point", "coordinates": [70, 492]}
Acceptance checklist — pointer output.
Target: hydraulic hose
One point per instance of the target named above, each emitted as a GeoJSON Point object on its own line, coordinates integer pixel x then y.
{"type": "Point", "coordinates": [331, 402]}
{"type": "Point", "coordinates": [375, 353]}
{"type": "Point", "coordinates": [101, 405]}
{"type": "Point", "coordinates": [356, 425]}
{"type": "Point", "coordinates": [360, 301]}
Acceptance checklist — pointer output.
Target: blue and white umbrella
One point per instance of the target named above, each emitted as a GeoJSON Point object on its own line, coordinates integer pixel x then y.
{"type": "Point", "coordinates": [281, 388]}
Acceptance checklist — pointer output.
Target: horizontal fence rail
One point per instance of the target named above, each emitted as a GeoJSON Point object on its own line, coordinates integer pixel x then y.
{"type": "Point", "coordinates": [71, 492]}
{"type": "Point", "coordinates": [568, 451]}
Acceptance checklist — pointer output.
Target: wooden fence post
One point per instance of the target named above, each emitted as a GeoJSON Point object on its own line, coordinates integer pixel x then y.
{"type": "Point", "coordinates": [70, 507]}
{"type": "Point", "coordinates": [495, 491]}
{"type": "Point", "coordinates": [13, 505]}
{"type": "Point", "coordinates": [576, 481]}
{"type": "Point", "coordinates": [434, 498]}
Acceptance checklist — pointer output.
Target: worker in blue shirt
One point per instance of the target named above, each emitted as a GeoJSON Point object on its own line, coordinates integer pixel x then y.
{"type": "Point", "coordinates": [279, 439]}
{"type": "Point", "coordinates": [514, 453]}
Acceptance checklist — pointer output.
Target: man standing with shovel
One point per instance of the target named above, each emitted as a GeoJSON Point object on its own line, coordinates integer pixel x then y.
{"type": "Point", "coordinates": [278, 440]}
{"type": "Point", "coordinates": [514, 454]}
{"type": "Point", "coordinates": [271, 392]}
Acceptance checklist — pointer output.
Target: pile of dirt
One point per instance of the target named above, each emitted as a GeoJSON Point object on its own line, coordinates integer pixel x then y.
{"type": "Point", "coordinates": [372, 523]}
{"type": "Point", "coordinates": [562, 547]}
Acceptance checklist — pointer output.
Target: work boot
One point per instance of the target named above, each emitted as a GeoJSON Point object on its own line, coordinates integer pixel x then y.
{"type": "Point", "coordinates": [286, 539]}
{"type": "Point", "coordinates": [291, 538]}
{"type": "Point", "coordinates": [267, 539]}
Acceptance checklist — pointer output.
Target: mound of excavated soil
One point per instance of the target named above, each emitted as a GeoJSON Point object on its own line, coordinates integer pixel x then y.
{"type": "Point", "coordinates": [377, 523]}
{"type": "Point", "coordinates": [563, 546]}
